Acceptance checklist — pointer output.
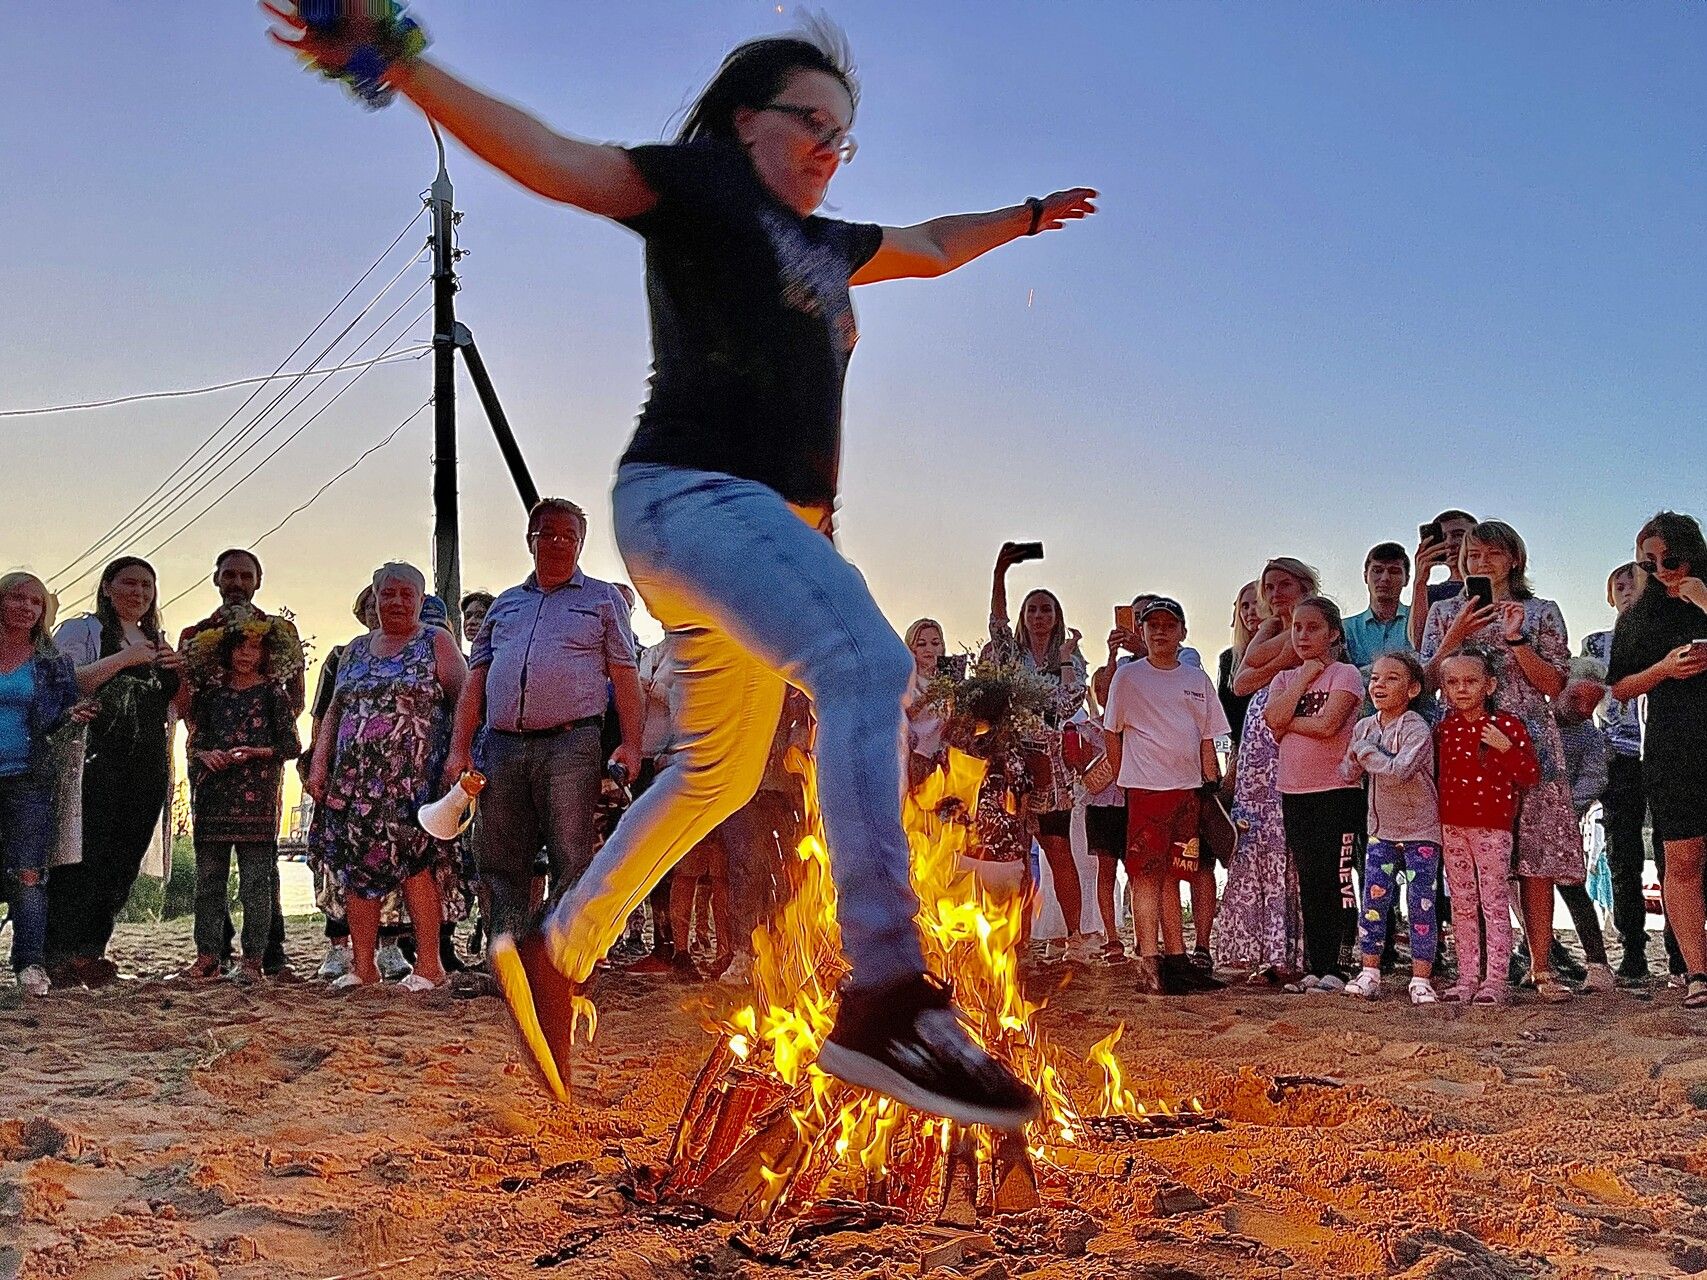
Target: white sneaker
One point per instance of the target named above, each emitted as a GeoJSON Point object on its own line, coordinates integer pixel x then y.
{"type": "Point", "coordinates": [34, 981]}
{"type": "Point", "coordinates": [1600, 979]}
{"type": "Point", "coordinates": [392, 965]}
{"type": "Point", "coordinates": [1085, 949]}
{"type": "Point", "coordinates": [1328, 985]}
{"type": "Point", "coordinates": [739, 971]}
{"type": "Point", "coordinates": [339, 961]}
{"type": "Point", "coordinates": [1366, 986]}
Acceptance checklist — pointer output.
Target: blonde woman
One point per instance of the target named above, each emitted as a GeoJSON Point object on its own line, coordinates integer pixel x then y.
{"type": "Point", "coordinates": [38, 693]}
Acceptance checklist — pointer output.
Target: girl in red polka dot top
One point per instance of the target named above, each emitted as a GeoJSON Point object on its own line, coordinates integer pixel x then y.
{"type": "Point", "coordinates": [1487, 760]}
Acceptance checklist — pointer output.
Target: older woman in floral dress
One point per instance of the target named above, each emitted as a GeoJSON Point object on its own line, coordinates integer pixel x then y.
{"type": "Point", "coordinates": [388, 731]}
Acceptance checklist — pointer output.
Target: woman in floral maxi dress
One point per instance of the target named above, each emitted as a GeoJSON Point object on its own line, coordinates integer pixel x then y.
{"type": "Point", "coordinates": [1259, 926]}
{"type": "Point", "coordinates": [373, 771]}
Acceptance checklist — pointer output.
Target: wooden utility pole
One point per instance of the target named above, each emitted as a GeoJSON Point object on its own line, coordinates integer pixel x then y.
{"type": "Point", "coordinates": [449, 337]}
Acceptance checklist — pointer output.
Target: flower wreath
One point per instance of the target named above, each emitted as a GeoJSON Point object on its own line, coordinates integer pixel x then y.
{"type": "Point", "coordinates": [283, 651]}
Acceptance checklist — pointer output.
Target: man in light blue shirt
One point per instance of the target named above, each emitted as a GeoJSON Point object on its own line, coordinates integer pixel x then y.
{"type": "Point", "coordinates": [1385, 625]}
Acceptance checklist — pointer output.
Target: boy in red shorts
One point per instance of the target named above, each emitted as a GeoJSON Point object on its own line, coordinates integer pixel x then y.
{"type": "Point", "coordinates": [1162, 720]}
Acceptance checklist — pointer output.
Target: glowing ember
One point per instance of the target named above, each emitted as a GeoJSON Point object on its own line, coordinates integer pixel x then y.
{"type": "Point", "coordinates": [766, 1130]}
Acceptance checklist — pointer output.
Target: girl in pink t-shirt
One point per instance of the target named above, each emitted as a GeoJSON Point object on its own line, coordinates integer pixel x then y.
{"type": "Point", "coordinates": [1310, 709]}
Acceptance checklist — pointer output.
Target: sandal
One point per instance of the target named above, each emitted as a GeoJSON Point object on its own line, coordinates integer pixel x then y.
{"type": "Point", "coordinates": [348, 982]}
{"type": "Point", "coordinates": [1459, 993]}
{"type": "Point", "coordinates": [1491, 995]}
{"type": "Point", "coordinates": [1696, 995]}
{"type": "Point", "coordinates": [415, 983]}
{"type": "Point", "coordinates": [1549, 988]}
{"type": "Point", "coordinates": [1113, 953]}
{"type": "Point", "coordinates": [1423, 992]}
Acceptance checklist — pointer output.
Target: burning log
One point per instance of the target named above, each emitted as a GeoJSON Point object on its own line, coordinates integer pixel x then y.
{"type": "Point", "coordinates": [1012, 1176]}
{"type": "Point", "coordinates": [959, 1204]}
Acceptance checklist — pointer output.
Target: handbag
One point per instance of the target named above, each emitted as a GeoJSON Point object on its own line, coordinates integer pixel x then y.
{"type": "Point", "coordinates": [1100, 776]}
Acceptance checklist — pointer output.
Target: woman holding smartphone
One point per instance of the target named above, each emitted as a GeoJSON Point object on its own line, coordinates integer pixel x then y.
{"type": "Point", "coordinates": [1659, 650]}
{"type": "Point", "coordinates": [1531, 655]}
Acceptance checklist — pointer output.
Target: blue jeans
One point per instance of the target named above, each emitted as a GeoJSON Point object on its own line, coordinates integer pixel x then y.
{"type": "Point", "coordinates": [752, 597]}
{"type": "Point", "coordinates": [26, 824]}
{"type": "Point", "coordinates": [541, 792]}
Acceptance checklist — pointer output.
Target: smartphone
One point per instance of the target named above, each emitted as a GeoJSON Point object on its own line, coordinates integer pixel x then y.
{"type": "Point", "coordinates": [952, 664]}
{"type": "Point", "coordinates": [1125, 619]}
{"type": "Point", "coordinates": [1481, 590]}
{"type": "Point", "coordinates": [1024, 551]}
{"type": "Point", "coordinates": [1698, 648]}
{"type": "Point", "coordinates": [1430, 532]}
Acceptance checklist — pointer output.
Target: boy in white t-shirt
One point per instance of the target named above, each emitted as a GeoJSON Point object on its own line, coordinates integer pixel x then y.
{"type": "Point", "coordinates": [1163, 718]}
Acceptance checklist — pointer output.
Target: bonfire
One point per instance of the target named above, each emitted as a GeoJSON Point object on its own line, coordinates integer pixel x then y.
{"type": "Point", "coordinates": [767, 1135]}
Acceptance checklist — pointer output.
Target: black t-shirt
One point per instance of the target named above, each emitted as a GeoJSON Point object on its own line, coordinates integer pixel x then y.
{"type": "Point", "coordinates": [752, 326]}
{"type": "Point", "coordinates": [1676, 735]}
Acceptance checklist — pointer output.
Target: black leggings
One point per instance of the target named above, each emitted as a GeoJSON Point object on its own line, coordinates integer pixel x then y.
{"type": "Point", "coordinates": [1324, 835]}
{"type": "Point", "coordinates": [123, 794]}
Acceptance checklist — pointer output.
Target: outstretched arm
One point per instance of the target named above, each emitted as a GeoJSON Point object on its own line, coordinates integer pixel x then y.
{"type": "Point", "coordinates": [599, 178]}
{"type": "Point", "coordinates": [937, 247]}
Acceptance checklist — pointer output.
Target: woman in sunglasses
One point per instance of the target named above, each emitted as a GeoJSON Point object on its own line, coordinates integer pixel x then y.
{"type": "Point", "coordinates": [1659, 650]}
{"type": "Point", "coordinates": [723, 507]}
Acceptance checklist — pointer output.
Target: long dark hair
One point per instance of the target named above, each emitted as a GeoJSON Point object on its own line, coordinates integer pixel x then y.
{"type": "Point", "coordinates": [755, 72]}
{"type": "Point", "coordinates": [112, 629]}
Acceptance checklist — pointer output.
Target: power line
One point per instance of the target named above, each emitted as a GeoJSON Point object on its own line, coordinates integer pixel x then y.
{"type": "Point", "coordinates": [315, 496]}
{"type": "Point", "coordinates": [183, 497]}
{"type": "Point", "coordinates": [194, 391]}
{"type": "Point", "coordinates": [104, 540]}
{"type": "Point", "coordinates": [169, 489]}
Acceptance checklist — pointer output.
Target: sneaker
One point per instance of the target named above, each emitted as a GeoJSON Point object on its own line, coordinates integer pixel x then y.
{"type": "Point", "coordinates": [249, 972]}
{"type": "Point", "coordinates": [1182, 978]}
{"type": "Point", "coordinates": [95, 972]}
{"type": "Point", "coordinates": [340, 960]}
{"type": "Point", "coordinates": [33, 981]}
{"type": "Point", "coordinates": [1600, 980]}
{"type": "Point", "coordinates": [1329, 984]}
{"type": "Point", "coordinates": [1085, 949]}
{"type": "Point", "coordinates": [1113, 952]}
{"type": "Point", "coordinates": [1633, 979]}
{"type": "Point", "coordinates": [392, 963]}
{"type": "Point", "coordinates": [1149, 972]}
{"type": "Point", "coordinates": [1367, 985]}
{"type": "Point", "coordinates": [1201, 959]}
{"type": "Point", "coordinates": [201, 969]}
{"type": "Point", "coordinates": [540, 1001]}
{"type": "Point", "coordinates": [739, 972]}
{"type": "Point", "coordinates": [906, 1042]}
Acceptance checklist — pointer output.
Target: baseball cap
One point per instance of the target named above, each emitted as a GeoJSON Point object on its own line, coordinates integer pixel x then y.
{"type": "Point", "coordinates": [1162, 604]}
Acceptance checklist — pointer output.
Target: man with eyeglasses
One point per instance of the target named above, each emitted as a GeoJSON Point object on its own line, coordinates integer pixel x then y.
{"type": "Point", "coordinates": [548, 655]}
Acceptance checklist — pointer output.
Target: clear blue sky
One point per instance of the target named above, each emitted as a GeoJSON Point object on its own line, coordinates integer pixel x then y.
{"type": "Point", "coordinates": [1355, 263]}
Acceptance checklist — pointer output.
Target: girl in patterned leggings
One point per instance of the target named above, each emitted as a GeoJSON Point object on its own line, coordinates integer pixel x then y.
{"type": "Point", "coordinates": [1395, 750]}
{"type": "Point", "coordinates": [1486, 760]}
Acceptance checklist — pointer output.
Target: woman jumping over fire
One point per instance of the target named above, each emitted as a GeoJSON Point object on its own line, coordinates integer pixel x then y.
{"type": "Point", "coordinates": [723, 503]}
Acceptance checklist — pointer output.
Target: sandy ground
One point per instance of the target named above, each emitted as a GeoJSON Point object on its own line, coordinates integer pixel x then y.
{"type": "Point", "coordinates": [153, 1130]}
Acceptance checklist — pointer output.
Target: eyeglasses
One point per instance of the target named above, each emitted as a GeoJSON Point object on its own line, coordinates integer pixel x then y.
{"type": "Point", "coordinates": [833, 136]}
{"type": "Point", "coordinates": [556, 539]}
{"type": "Point", "coordinates": [1671, 564]}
